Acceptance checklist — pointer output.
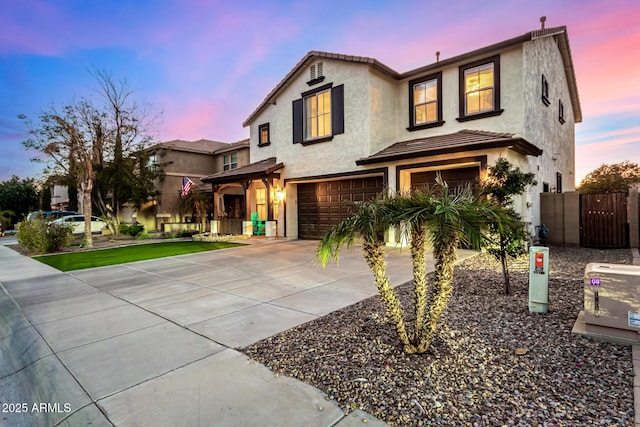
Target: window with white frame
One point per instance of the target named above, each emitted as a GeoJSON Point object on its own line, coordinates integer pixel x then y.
{"type": "Point", "coordinates": [152, 163]}
{"type": "Point", "coordinates": [230, 161]}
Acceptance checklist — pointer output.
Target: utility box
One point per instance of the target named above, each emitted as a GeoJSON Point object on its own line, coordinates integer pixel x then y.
{"type": "Point", "coordinates": [538, 279]}
{"type": "Point", "coordinates": [612, 296]}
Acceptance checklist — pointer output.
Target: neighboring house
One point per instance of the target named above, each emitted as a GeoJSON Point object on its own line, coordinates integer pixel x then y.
{"type": "Point", "coordinates": [59, 196]}
{"type": "Point", "coordinates": [194, 160]}
{"type": "Point", "coordinates": [341, 127]}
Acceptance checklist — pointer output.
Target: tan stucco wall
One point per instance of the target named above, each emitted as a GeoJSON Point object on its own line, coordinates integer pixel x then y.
{"type": "Point", "coordinates": [243, 159]}
{"type": "Point", "coordinates": [177, 164]}
{"type": "Point", "coordinates": [385, 102]}
{"type": "Point", "coordinates": [542, 126]}
{"type": "Point", "coordinates": [510, 121]}
{"type": "Point", "coordinates": [376, 116]}
{"type": "Point", "coordinates": [337, 155]}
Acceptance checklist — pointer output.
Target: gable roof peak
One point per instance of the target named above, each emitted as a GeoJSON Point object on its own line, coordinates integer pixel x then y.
{"type": "Point", "coordinates": [560, 31]}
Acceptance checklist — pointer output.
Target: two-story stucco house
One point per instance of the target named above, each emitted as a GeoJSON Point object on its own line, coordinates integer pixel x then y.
{"type": "Point", "coordinates": [340, 127]}
{"type": "Point", "coordinates": [191, 159]}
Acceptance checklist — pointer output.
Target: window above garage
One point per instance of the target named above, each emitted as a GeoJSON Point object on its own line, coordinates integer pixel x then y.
{"type": "Point", "coordinates": [480, 89]}
{"type": "Point", "coordinates": [425, 102]}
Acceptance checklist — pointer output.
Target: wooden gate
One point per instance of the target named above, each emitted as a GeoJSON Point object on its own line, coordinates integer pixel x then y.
{"type": "Point", "coordinates": [603, 220]}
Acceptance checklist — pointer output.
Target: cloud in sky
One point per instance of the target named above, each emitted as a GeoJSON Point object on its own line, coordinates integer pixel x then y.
{"type": "Point", "coordinates": [207, 65]}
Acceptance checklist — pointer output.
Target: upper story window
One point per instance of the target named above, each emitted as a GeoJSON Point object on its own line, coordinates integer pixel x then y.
{"type": "Point", "coordinates": [425, 102]}
{"type": "Point", "coordinates": [560, 111]}
{"type": "Point", "coordinates": [558, 182]}
{"type": "Point", "coordinates": [152, 163]}
{"type": "Point", "coordinates": [480, 89]}
{"type": "Point", "coordinates": [318, 115]}
{"type": "Point", "coordinates": [230, 161]}
{"type": "Point", "coordinates": [263, 134]}
{"type": "Point", "coordinates": [545, 91]}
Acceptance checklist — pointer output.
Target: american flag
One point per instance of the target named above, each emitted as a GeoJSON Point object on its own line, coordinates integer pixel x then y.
{"type": "Point", "coordinates": [187, 185]}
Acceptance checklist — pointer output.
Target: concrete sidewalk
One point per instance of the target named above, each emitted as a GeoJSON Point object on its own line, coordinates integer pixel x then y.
{"type": "Point", "coordinates": [152, 342]}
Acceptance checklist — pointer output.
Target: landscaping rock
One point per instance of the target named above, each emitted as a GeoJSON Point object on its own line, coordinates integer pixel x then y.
{"type": "Point", "coordinates": [472, 374]}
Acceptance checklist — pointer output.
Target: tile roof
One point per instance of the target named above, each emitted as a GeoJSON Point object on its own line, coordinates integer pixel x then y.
{"type": "Point", "coordinates": [200, 146]}
{"type": "Point", "coordinates": [253, 170]}
{"type": "Point", "coordinates": [374, 63]}
{"type": "Point", "coordinates": [233, 146]}
{"type": "Point", "coordinates": [464, 140]}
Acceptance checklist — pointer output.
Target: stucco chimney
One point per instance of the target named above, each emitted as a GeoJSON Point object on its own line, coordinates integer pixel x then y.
{"type": "Point", "coordinates": [542, 20]}
{"type": "Point", "coordinates": [438, 56]}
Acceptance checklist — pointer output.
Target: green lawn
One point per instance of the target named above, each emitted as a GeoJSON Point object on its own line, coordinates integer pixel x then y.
{"type": "Point", "coordinates": [102, 257]}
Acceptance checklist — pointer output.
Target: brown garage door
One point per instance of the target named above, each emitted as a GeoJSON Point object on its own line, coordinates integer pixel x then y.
{"type": "Point", "coordinates": [321, 204]}
{"type": "Point", "coordinates": [453, 177]}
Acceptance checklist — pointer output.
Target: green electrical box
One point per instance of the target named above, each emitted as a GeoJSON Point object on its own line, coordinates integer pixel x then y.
{"type": "Point", "coordinates": [538, 279]}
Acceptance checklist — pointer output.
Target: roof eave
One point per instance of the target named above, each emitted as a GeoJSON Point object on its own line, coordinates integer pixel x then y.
{"type": "Point", "coordinates": [303, 62]}
{"type": "Point", "coordinates": [565, 52]}
{"type": "Point", "coordinates": [239, 177]}
{"type": "Point", "coordinates": [518, 145]}
{"type": "Point", "coordinates": [468, 55]}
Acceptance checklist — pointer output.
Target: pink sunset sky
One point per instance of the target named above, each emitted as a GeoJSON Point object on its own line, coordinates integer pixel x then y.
{"type": "Point", "coordinates": [205, 66]}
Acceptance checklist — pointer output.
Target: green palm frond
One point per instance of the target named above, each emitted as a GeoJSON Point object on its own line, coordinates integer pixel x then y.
{"type": "Point", "coordinates": [368, 221]}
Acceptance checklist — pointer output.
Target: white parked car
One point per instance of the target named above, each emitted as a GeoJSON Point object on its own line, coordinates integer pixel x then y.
{"type": "Point", "coordinates": [77, 221]}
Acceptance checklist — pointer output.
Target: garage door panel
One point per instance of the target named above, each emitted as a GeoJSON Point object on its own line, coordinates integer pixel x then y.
{"type": "Point", "coordinates": [324, 204]}
{"type": "Point", "coordinates": [453, 177]}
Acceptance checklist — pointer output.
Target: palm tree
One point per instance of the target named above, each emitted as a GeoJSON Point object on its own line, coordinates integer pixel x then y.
{"type": "Point", "coordinates": [452, 217]}
{"type": "Point", "coordinates": [411, 212]}
{"type": "Point", "coordinates": [199, 203]}
{"type": "Point", "coordinates": [440, 216]}
{"type": "Point", "coordinates": [369, 221]}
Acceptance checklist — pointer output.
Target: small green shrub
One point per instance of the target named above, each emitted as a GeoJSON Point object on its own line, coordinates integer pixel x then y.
{"type": "Point", "coordinates": [188, 233]}
{"type": "Point", "coordinates": [39, 236]}
{"type": "Point", "coordinates": [131, 230]}
{"type": "Point", "coordinates": [143, 235]}
{"type": "Point", "coordinates": [136, 229]}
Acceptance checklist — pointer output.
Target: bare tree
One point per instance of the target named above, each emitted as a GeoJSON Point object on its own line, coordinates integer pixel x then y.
{"type": "Point", "coordinates": [130, 128]}
{"type": "Point", "coordinates": [69, 140]}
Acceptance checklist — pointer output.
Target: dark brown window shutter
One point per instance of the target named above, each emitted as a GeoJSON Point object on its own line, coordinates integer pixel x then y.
{"type": "Point", "coordinates": [337, 110]}
{"type": "Point", "coordinates": [298, 125]}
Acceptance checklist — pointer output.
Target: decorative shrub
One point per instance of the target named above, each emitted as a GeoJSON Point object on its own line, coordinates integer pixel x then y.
{"type": "Point", "coordinates": [131, 230]}
{"type": "Point", "coordinates": [39, 236]}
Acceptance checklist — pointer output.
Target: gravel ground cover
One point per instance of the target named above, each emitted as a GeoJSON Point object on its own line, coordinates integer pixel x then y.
{"type": "Point", "coordinates": [471, 375]}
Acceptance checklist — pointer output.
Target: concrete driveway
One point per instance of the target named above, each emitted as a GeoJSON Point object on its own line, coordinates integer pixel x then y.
{"type": "Point", "coordinates": [151, 342]}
